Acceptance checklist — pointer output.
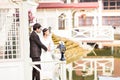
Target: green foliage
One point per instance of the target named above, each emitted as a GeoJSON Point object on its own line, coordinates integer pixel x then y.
{"type": "Point", "coordinates": [106, 51]}
{"type": "Point", "coordinates": [117, 52]}
{"type": "Point", "coordinates": [80, 77]}
{"type": "Point", "coordinates": [101, 52]}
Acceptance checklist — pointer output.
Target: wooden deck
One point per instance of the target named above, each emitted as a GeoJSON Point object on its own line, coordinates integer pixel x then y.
{"type": "Point", "coordinates": [117, 67]}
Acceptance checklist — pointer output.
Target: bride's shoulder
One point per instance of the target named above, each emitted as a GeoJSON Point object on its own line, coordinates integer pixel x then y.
{"type": "Point", "coordinates": [49, 37]}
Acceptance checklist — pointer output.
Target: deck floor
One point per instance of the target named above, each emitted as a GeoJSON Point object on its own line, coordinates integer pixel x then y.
{"type": "Point", "coordinates": [117, 67]}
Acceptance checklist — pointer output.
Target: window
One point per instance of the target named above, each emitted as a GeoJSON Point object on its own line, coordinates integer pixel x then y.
{"type": "Point", "coordinates": [111, 4]}
{"type": "Point", "coordinates": [111, 20]}
{"type": "Point", "coordinates": [85, 21]}
{"type": "Point", "coordinates": [88, 0]}
{"type": "Point", "coordinates": [9, 33]}
{"type": "Point", "coordinates": [61, 21]}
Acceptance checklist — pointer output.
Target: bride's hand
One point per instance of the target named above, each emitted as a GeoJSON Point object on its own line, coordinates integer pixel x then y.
{"type": "Point", "coordinates": [48, 48]}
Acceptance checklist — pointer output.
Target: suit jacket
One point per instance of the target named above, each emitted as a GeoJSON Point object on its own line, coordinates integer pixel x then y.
{"type": "Point", "coordinates": [36, 45]}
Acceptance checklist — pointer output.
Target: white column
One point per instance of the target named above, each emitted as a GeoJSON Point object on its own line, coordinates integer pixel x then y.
{"type": "Point", "coordinates": [95, 18]}
{"type": "Point", "coordinates": [100, 13]}
{"type": "Point", "coordinates": [24, 35]}
{"type": "Point", "coordinates": [45, 18]}
{"type": "Point", "coordinates": [57, 14]}
{"type": "Point", "coordinates": [68, 1]}
{"type": "Point", "coordinates": [95, 70]}
{"type": "Point", "coordinates": [69, 24]}
{"type": "Point", "coordinates": [75, 1]}
{"type": "Point", "coordinates": [76, 21]}
{"type": "Point", "coordinates": [69, 66]}
{"type": "Point", "coordinates": [69, 20]}
{"type": "Point", "coordinates": [63, 70]}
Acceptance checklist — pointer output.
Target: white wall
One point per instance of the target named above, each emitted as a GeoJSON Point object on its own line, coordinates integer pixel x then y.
{"type": "Point", "coordinates": [63, 33]}
{"type": "Point", "coordinates": [11, 71]}
{"type": "Point", "coordinates": [49, 17]}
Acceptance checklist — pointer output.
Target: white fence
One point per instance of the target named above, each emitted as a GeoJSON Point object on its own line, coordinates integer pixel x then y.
{"type": "Point", "coordinates": [98, 34]}
{"type": "Point", "coordinates": [108, 78]}
{"type": "Point", "coordinates": [91, 66]}
{"type": "Point", "coordinates": [60, 69]}
{"type": "Point", "coordinates": [93, 33]}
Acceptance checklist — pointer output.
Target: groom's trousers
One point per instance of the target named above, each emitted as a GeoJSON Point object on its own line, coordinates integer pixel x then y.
{"type": "Point", "coordinates": [36, 73]}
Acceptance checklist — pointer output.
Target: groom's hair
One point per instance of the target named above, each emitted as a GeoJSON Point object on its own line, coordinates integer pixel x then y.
{"type": "Point", "coordinates": [36, 26]}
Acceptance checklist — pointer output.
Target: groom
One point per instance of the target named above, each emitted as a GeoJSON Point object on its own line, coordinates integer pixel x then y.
{"type": "Point", "coordinates": [35, 49]}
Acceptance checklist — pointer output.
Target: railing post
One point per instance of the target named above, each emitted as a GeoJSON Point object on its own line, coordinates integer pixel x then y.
{"type": "Point", "coordinates": [95, 70]}
{"type": "Point", "coordinates": [63, 70]}
{"type": "Point", "coordinates": [70, 68]}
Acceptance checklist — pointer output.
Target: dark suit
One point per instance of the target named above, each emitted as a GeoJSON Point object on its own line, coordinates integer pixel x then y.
{"type": "Point", "coordinates": [35, 52]}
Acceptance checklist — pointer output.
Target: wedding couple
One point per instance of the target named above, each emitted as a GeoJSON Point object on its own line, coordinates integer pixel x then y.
{"type": "Point", "coordinates": [41, 50]}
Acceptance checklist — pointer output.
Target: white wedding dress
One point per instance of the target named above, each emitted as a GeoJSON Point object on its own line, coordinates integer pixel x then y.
{"type": "Point", "coordinates": [47, 67]}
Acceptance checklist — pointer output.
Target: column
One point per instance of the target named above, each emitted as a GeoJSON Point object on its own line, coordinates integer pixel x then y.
{"type": "Point", "coordinates": [95, 70]}
{"type": "Point", "coordinates": [75, 1]}
{"type": "Point", "coordinates": [69, 23]}
{"type": "Point", "coordinates": [95, 18]}
{"type": "Point", "coordinates": [95, 26]}
{"type": "Point", "coordinates": [100, 13]}
{"type": "Point", "coordinates": [69, 68]}
{"type": "Point", "coordinates": [68, 1]}
{"type": "Point", "coordinates": [24, 38]}
{"type": "Point", "coordinates": [63, 70]}
{"type": "Point", "coordinates": [76, 19]}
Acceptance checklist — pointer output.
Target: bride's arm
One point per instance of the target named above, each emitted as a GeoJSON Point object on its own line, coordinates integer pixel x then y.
{"type": "Point", "coordinates": [51, 44]}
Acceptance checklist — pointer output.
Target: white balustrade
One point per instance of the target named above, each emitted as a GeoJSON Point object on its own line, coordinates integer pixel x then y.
{"type": "Point", "coordinates": [93, 33]}
{"type": "Point", "coordinates": [108, 78]}
{"type": "Point", "coordinates": [91, 66]}
{"type": "Point", "coordinates": [60, 68]}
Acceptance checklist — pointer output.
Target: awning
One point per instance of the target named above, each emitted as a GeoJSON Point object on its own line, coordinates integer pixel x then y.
{"type": "Point", "coordinates": [72, 5]}
{"type": "Point", "coordinates": [73, 50]}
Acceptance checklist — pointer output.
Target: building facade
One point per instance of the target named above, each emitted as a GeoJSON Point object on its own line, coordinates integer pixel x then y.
{"type": "Point", "coordinates": [68, 14]}
{"type": "Point", "coordinates": [61, 15]}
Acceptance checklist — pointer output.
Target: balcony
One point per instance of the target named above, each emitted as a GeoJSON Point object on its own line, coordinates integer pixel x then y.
{"type": "Point", "coordinates": [105, 33]}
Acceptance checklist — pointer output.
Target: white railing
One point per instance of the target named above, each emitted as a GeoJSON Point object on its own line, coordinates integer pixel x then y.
{"type": "Point", "coordinates": [98, 34]}
{"type": "Point", "coordinates": [108, 78]}
{"type": "Point", "coordinates": [93, 33]}
{"type": "Point", "coordinates": [91, 66]}
{"type": "Point", "coordinates": [60, 69]}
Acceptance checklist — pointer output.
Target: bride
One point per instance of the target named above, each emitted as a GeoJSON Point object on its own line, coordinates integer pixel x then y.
{"type": "Point", "coordinates": [47, 68]}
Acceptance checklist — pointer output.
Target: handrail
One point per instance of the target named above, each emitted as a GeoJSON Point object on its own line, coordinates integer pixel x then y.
{"type": "Point", "coordinates": [62, 67]}
{"type": "Point", "coordinates": [91, 66]}
{"type": "Point", "coordinates": [93, 33]}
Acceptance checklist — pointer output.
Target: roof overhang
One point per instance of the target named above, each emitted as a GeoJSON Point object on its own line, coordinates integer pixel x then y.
{"type": "Point", "coordinates": [72, 5]}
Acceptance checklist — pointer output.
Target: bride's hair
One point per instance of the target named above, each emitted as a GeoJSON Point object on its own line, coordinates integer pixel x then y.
{"type": "Point", "coordinates": [44, 30]}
